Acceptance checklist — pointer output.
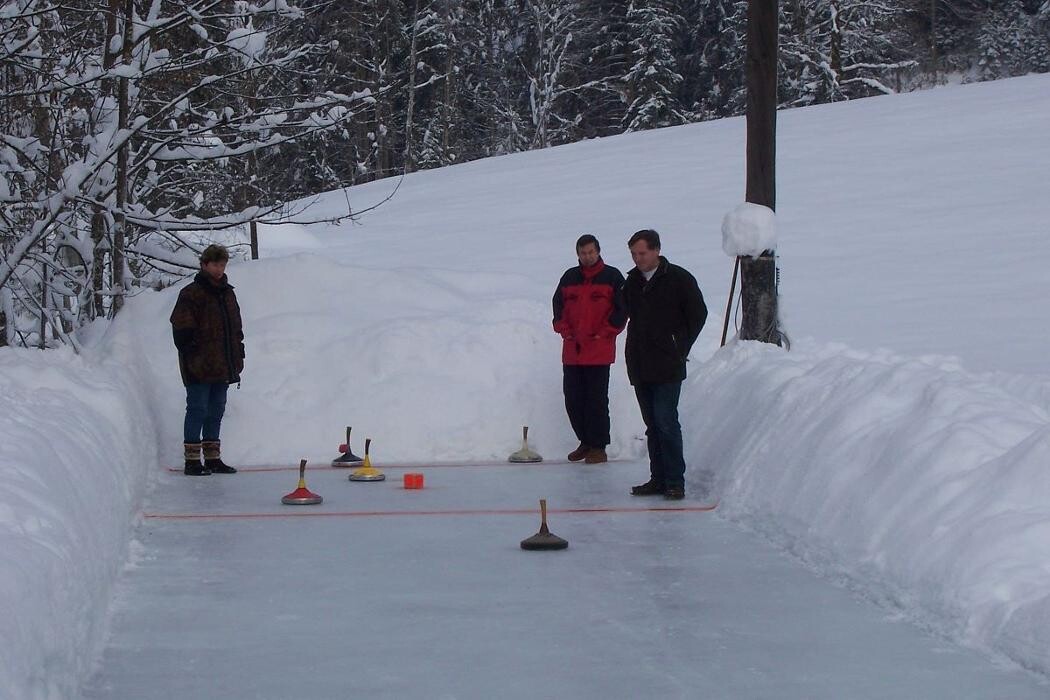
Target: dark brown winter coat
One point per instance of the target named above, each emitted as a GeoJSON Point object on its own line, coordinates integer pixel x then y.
{"type": "Point", "coordinates": [206, 326]}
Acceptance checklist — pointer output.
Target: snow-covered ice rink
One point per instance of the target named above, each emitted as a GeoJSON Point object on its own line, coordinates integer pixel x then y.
{"type": "Point", "coordinates": [382, 592]}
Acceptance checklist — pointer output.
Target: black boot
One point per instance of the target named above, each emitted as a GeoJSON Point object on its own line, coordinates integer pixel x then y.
{"type": "Point", "coordinates": [674, 493]}
{"type": "Point", "coordinates": [649, 488]}
{"type": "Point", "coordinates": [213, 460]}
{"type": "Point", "coordinates": [193, 460]}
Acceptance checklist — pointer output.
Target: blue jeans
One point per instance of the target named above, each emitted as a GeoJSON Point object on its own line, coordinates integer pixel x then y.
{"type": "Point", "coordinates": [205, 404]}
{"type": "Point", "coordinates": [659, 405]}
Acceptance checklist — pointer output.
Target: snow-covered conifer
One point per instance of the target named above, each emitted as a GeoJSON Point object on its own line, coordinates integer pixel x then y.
{"type": "Point", "coordinates": [652, 79]}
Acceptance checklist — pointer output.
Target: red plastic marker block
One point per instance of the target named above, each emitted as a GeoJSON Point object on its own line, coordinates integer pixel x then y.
{"type": "Point", "coordinates": [413, 481]}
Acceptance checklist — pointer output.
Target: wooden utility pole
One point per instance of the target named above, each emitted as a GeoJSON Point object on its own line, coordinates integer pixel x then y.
{"type": "Point", "coordinates": [758, 275]}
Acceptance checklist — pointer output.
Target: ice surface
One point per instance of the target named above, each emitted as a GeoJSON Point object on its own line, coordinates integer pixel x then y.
{"type": "Point", "coordinates": [332, 602]}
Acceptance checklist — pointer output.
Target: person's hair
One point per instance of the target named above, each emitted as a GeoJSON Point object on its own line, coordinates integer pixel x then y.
{"type": "Point", "coordinates": [215, 253]}
{"type": "Point", "coordinates": [587, 239]}
{"type": "Point", "coordinates": [651, 238]}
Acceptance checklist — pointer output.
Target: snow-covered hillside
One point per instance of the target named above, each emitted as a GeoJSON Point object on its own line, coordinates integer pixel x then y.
{"type": "Point", "coordinates": [900, 446]}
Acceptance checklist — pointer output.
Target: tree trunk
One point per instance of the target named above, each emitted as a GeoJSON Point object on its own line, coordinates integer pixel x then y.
{"type": "Point", "coordinates": [410, 158]}
{"type": "Point", "coordinates": [447, 109]}
{"type": "Point", "coordinates": [121, 221]}
{"type": "Point", "coordinates": [758, 289]}
{"type": "Point", "coordinates": [540, 84]}
{"type": "Point", "coordinates": [382, 161]}
{"type": "Point", "coordinates": [98, 264]}
{"type": "Point", "coordinates": [934, 60]}
{"type": "Point", "coordinates": [45, 131]}
{"type": "Point", "coordinates": [98, 220]}
{"type": "Point", "coordinates": [836, 41]}
{"type": "Point", "coordinates": [45, 283]}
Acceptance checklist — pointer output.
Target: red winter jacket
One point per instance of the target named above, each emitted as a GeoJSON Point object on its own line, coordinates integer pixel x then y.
{"type": "Point", "coordinates": [589, 313]}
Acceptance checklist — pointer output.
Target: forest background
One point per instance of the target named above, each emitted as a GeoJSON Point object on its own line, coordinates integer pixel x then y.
{"type": "Point", "coordinates": [132, 130]}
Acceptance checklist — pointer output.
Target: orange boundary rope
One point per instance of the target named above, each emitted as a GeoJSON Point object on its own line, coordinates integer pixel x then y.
{"type": "Point", "coordinates": [387, 513]}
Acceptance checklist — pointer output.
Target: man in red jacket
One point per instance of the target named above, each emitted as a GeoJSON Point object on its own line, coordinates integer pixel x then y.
{"type": "Point", "coordinates": [589, 313]}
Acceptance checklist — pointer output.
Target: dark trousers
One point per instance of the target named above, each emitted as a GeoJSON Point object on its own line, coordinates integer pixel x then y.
{"type": "Point", "coordinates": [205, 404]}
{"type": "Point", "coordinates": [586, 390]}
{"type": "Point", "coordinates": [663, 432]}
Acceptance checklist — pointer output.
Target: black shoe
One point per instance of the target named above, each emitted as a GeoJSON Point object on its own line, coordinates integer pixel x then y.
{"type": "Point", "coordinates": [217, 466]}
{"type": "Point", "coordinates": [649, 488]}
{"type": "Point", "coordinates": [579, 453]}
{"type": "Point", "coordinates": [195, 468]}
{"type": "Point", "coordinates": [674, 493]}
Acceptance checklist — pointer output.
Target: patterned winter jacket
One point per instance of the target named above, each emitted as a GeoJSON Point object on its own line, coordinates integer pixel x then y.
{"type": "Point", "coordinates": [589, 313]}
{"type": "Point", "coordinates": [206, 326]}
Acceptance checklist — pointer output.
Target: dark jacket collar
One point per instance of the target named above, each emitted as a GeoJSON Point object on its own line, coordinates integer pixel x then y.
{"type": "Point", "coordinates": [661, 270]}
{"type": "Point", "coordinates": [204, 280]}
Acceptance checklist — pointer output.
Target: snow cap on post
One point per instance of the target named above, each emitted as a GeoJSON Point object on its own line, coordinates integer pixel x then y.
{"type": "Point", "coordinates": [749, 229]}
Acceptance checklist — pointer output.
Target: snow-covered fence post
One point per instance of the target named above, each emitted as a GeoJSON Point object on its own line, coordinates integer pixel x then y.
{"type": "Point", "coordinates": [758, 287]}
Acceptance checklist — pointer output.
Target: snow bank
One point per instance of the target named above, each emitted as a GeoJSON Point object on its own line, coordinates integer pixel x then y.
{"type": "Point", "coordinates": [73, 460]}
{"type": "Point", "coordinates": [925, 486]}
{"type": "Point", "coordinates": [429, 363]}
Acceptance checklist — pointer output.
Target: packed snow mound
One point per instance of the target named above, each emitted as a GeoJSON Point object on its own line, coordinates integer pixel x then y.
{"type": "Point", "coordinates": [429, 363]}
{"type": "Point", "coordinates": [74, 458]}
{"type": "Point", "coordinates": [924, 485]}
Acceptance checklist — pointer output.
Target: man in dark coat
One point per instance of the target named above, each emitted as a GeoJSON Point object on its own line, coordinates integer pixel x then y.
{"type": "Point", "coordinates": [206, 325]}
{"type": "Point", "coordinates": [589, 314]}
{"type": "Point", "coordinates": [667, 312]}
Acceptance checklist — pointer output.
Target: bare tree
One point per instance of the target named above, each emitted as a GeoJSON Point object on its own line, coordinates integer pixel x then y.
{"type": "Point", "coordinates": [128, 102]}
{"type": "Point", "coordinates": [549, 67]}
